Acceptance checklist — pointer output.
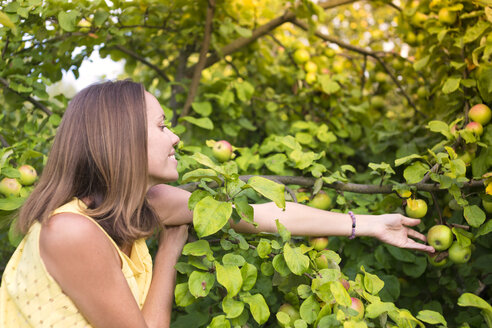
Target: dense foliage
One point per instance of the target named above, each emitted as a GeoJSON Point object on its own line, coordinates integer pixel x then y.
{"type": "Point", "coordinates": [366, 100]}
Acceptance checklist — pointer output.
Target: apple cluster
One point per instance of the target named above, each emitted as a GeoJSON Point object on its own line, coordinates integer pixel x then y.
{"type": "Point", "coordinates": [11, 187]}
{"type": "Point", "coordinates": [441, 238]}
{"type": "Point", "coordinates": [302, 58]}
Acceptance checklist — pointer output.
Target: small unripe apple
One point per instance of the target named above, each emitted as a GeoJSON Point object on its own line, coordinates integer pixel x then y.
{"type": "Point", "coordinates": [380, 77]}
{"type": "Point", "coordinates": [416, 208]}
{"type": "Point", "coordinates": [480, 113]}
{"type": "Point", "coordinates": [475, 128]}
{"type": "Point", "coordinates": [321, 201]}
{"type": "Point", "coordinates": [27, 175]}
{"type": "Point", "coordinates": [222, 150]}
{"type": "Point", "coordinates": [440, 237]}
{"type": "Point", "coordinates": [321, 262]}
{"type": "Point", "coordinates": [310, 67]}
{"type": "Point", "coordinates": [433, 262]}
{"type": "Point", "coordinates": [291, 312]}
{"type": "Point", "coordinates": [458, 253]}
{"type": "Point", "coordinates": [418, 19]}
{"type": "Point", "coordinates": [487, 205]}
{"type": "Point", "coordinates": [301, 56]}
{"type": "Point", "coordinates": [10, 187]}
{"type": "Point", "coordinates": [377, 102]}
{"type": "Point", "coordinates": [447, 16]}
{"type": "Point", "coordinates": [310, 77]}
{"type": "Point", "coordinates": [319, 243]}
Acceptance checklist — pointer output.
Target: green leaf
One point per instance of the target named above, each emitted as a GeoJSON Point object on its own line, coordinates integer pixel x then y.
{"type": "Point", "coordinates": [416, 269]}
{"type": "Point", "coordinates": [202, 108]}
{"type": "Point", "coordinates": [473, 32]}
{"type": "Point", "coordinates": [209, 216]}
{"type": "Point", "coordinates": [11, 203]}
{"type": "Point", "coordinates": [100, 17]}
{"type": "Point", "coordinates": [231, 307]}
{"type": "Point", "coordinates": [195, 197]}
{"type": "Point", "coordinates": [203, 122]}
{"type": "Point", "coordinates": [282, 231]}
{"type": "Point", "coordinates": [269, 189]}
{"type": "Point", "coordinates": [201, 174]}
{"type": "Point", "coordinates": [327, 84]}
{"type": "Point", "coordinates": [258, 307]}
{"type": "Point", "coordinates": [219, 321]}
{"type": "Point", "coordinates": [229, 277]}
{"type": "Point", "coordinates": [5, 21]}
{"type": "Point", "coordinates": [264, 248]}
{"type": "Point", "coordinates": [304, 291]}
{"type": "Point", "coordinates": [375, 309]}
{"type": "Point", "coordinates": [421, 63]}
{"type": "Point", "coordinates": [372, 283]}
{"type": "Point", "coordinates": [200, 283]}
{"type": "Point", "coordinates": [244, 91]}
{"type": "Point", "coordinates": [205, 160]}
{"type": "Point", "coordinates": [309, 309]}
{"type": "Point", "coordinates": [469, 299]}
{"type": "Point", "coordinates": [296, 261]}
{"type": "Point", "coordinates": [199, 248]}
{"type": "Point", "coordinates": [67, 20]}
{"type": "Point", "coordinates": [403, 160]}
{"type": "Point", "coordinates": [183, 296]}
{"type": "Point", "coordinates": [340, 293]}
{"type": "Point", "coordinates": [10, 172]}
{"type": "Point", "coordinates": [474, 215]}
{"type": "Point", "coordinates": [280, 265]}
{"type": "Point", "coordinates": [432, 317]}
{"type": "Point", "coordinates": [415, 172]}
{"type": "Point", "coordinates": [441, 127]}
{"type": "Point", "coordinates": [484, 229]}
{"type": "Point", "coordinates": [243, 209]}
{"type": "Point", "coordinates": [249, 272]}
{"type": "Point", "coordinates": [451, 84]}
{"type": "Point", "coordinates": [233, 259]}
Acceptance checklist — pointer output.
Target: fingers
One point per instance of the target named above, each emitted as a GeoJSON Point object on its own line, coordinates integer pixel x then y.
{"type": "Point", "coordinates": [409, 221]}
{"type": "Point", "coordinates": [415, 234]}
{"type": "Point", "coordinates": [411, 244]}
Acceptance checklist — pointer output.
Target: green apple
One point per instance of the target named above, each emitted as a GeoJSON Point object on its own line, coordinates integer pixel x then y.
{"type": "Point", "coordinates": [319, 243]}
{"type": "Point", "coordinates": [416, 208]}
{"type": "Point", "coordinates": [27, 175]}
{"type": "Point", "coordinates": [330, 53]}
{"type": "Point", "coordinates": [10, 187]}
{"type": "Point", "coordinates": [418, 19]}
{"type": "Point", "coordinates": [222, 151]}
{"type": "Point", "coordinates": [291, 312]}
{"type": "Point", "coordinates": [310, 67]}
{"type": "Point", "coordinates": [301, 56]}
{"type": "Point", "coordinates": [447, 16]}
{"type": "Point", "coordinates": [422, 92]}
{"type": "Point", "coordinates": [380, 77]}
{"type": "Point", "coordinates": [440, 237]}
{"type": "Point", "coordinates": [467, 157]}
{"type": "Point", "coordinates": [310, 77]}
{"type": "Point", "coordinates": [475, 127]}
{"type": "Point", "coordinates": [487, 205]}
{"type": "Point", "coordinates": [321, 201]}
{"type": "Point", "coordinates": [377, 102]}
{"type": "Point", "coordinates": [453, 204]}
{"type": "Point", "coordinates": [480, 113]}
{"type": "Point", "coordinates": [321, 262]}
{"type": "Point", "coordinates": [433, 262]}
{"type": "Point", "coordinates": [458, 253]}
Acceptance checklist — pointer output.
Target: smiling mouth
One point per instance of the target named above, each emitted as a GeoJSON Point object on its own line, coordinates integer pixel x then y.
{"type": "Point", "coordinates": [172, 157]}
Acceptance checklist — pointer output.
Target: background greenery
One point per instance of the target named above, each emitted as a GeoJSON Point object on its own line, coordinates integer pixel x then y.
{"type": "Point", "coordinates": [391, 80]}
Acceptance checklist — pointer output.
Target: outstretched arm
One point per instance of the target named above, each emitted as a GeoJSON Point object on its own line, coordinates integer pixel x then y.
{"type": "Point", "coordinates": [171, 204]}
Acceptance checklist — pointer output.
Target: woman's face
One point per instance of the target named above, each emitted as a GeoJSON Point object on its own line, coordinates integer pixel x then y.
{"type": "Point", "coordinates": [161, 142]}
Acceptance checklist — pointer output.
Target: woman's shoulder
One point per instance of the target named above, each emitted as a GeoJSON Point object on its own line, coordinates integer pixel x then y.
{"type": "Point", "coordinates": [68, 235]}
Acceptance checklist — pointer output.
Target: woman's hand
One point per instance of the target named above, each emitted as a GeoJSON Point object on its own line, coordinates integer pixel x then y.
{"type": "Point", "coordinates": [172, 239]}
{"type": "Point", "coordinates": [393, 229]}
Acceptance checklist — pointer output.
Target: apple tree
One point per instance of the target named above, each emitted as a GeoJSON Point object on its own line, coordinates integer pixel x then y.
{"type": "Point", "coordinates": [369, 106]}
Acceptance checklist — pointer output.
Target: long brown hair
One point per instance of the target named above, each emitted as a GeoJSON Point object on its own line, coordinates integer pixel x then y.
{"type": "Point", "coordinates": [100, 152]}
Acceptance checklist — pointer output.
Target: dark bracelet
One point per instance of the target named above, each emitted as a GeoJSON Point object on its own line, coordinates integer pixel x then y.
{"type": "Point", "coordinates": [352, 236]}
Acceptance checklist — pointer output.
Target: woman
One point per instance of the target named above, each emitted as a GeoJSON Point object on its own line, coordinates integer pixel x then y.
{"type": "Point", "coordinates": [84, 261]}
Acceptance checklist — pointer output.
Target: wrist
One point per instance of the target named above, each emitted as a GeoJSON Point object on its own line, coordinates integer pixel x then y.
{"type": "Point", "coordinates": [364, 226]}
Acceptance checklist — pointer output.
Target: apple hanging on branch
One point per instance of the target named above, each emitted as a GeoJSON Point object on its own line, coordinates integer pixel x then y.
{"type": "Point", "coordinates": [10, 187]}
{"type": "Point", "coordinates": [222, 151]}
{"type": "Point", "coordinates": [27, 175]}
{"type": "Point", "coordinates": [440, 237]}
{"type": "Point", "coordinates": [416, 208]}
{"type": "Point", "coordinates": [480, 113]}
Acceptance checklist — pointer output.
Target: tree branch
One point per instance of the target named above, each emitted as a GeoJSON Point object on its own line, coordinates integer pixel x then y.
{"type": "Point", "coordinates": [143, 61]}
{"type": "Point", "coordinates": [177, 87]}
{"type": "Point", "coordinates": [33, 101]}
{"type": "Point", "coordinates": [202, 58]}
{"type": "Point", "coordinates": [259, 32]}
{"type": "Point", "coordinates": [4, 142]}
{"type": "Point", "coordinates": [340, 186]}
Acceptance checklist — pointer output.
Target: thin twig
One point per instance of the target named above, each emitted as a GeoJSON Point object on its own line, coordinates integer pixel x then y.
{"type": "Point", "coordinates": [4, 51]}
{"type": "Point", "coordinates": [436, 205]}
{"type": "Point", "coordinates": [4, 142]}
{"type": "Point", "coordinates": [143, 61]}
{"type": "Point", "coordinates": [33, 101]}
{"type": "Point", "coordinates": [195, 81]}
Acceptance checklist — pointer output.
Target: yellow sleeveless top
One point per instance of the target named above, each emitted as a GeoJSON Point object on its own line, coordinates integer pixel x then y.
{"type": "Point", "coordinates": [30, 297]}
